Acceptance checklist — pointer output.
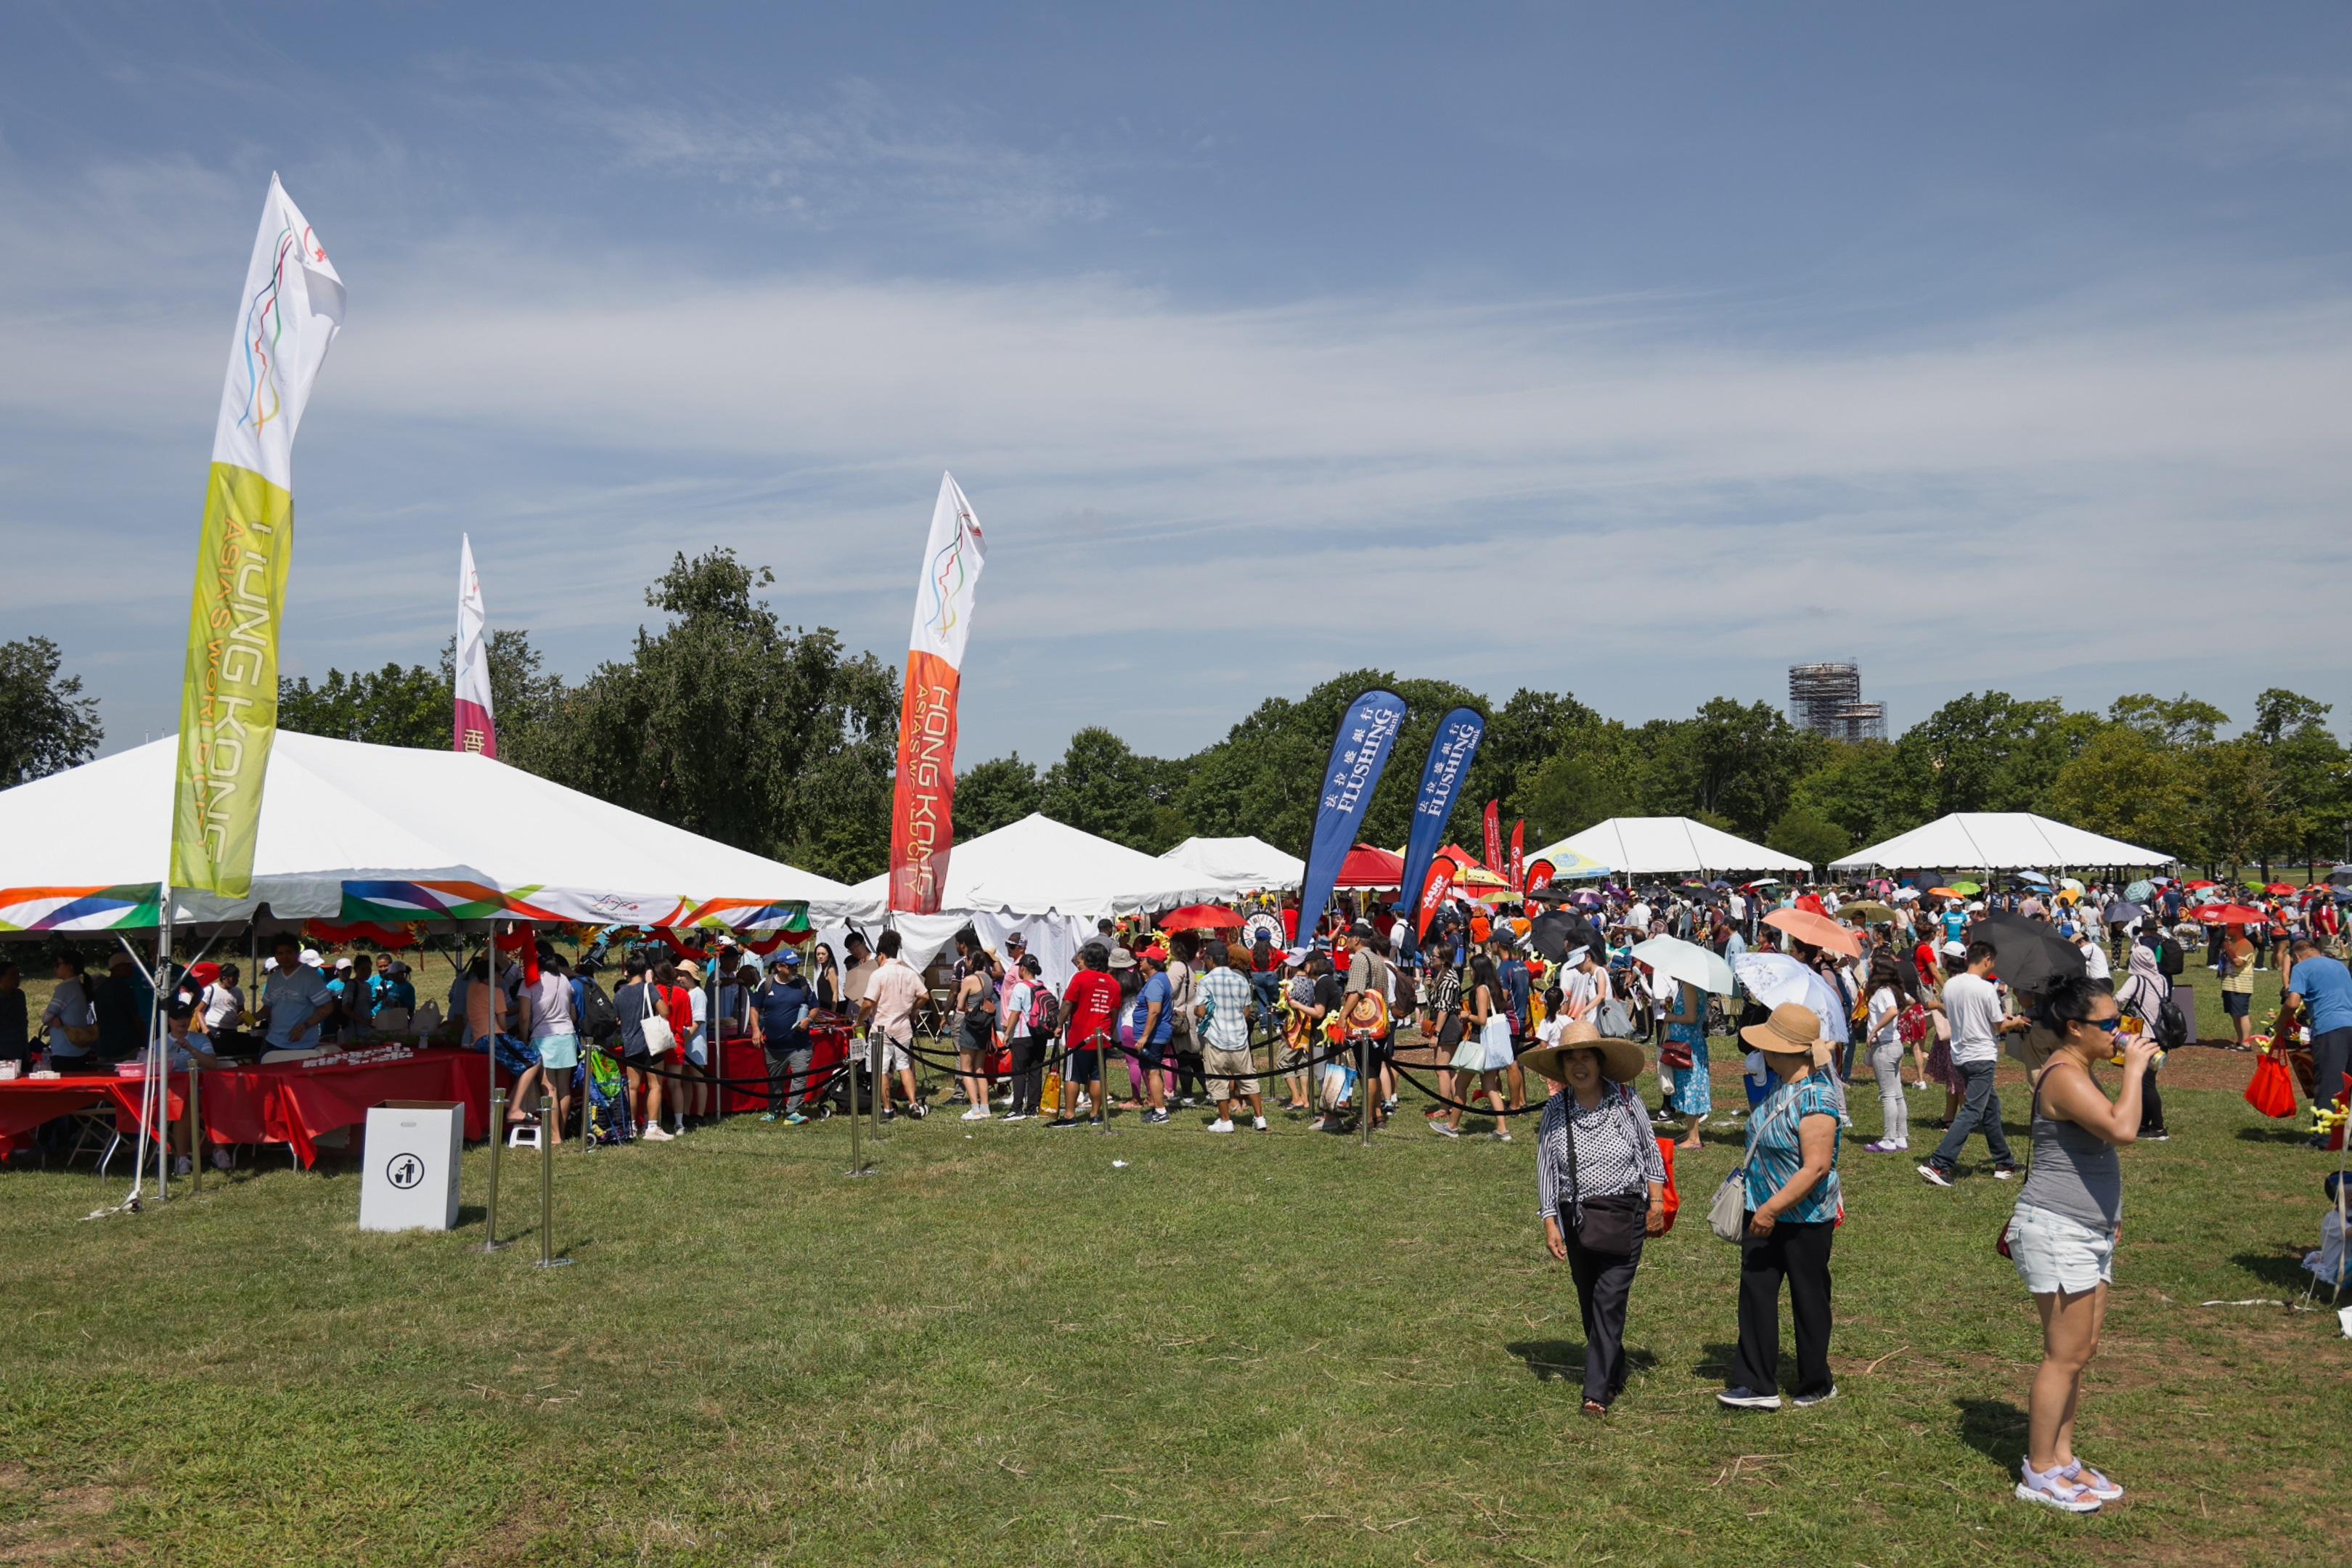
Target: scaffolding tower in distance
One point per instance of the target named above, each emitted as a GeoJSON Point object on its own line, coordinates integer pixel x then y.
{"type": "Point", "coordinates": [1826, 699]}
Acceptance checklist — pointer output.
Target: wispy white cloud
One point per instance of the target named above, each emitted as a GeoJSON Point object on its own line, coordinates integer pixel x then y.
{"type": "Point", "coordinates": [1434, 483]}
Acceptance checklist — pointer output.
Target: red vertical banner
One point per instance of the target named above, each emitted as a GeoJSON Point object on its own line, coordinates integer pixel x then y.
{"type": "Point", "coordinates": [1519, 872]}
{"type": "Point", "coordinates": [1495, 838]}
{"type": "Point", "coordinates": [1538, 875]}
{"type": "Point", "coordinates": [922, 815]}
{"type": "Point", "coordinates": [1432, 893]}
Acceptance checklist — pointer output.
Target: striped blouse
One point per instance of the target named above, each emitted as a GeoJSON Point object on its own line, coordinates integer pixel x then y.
{"type": "Point", "coordinates": [1616, 1150]}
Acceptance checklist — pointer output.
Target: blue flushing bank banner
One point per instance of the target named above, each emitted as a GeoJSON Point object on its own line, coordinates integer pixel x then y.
{"type": "Point", "coordinates": [1450, 752]}
{"type": "Point", "coordinates": [1359, 753]}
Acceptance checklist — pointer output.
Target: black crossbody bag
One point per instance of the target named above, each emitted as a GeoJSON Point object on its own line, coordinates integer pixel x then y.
{"type": "Point", "coordinates": [1613, 1224]}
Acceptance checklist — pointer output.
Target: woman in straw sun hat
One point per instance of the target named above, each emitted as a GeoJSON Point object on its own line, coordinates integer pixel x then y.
{"type": "Point", "coordinates": [1601, 1185]}
{"type": "Point", "coordinates": [1792, 1200]}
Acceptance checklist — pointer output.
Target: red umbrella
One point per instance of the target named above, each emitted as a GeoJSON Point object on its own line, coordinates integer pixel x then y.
{"type": "Point", "coordinates": [2229, 915]}
{"type": "Point", "coordinates": [1818, 929]}
{"type": "Point", "coordinates": [2193, 887]}
{"type": "Point", "coordinates": [1201, 917]}
{"type": "Point", "coordinates": [2276, 888]}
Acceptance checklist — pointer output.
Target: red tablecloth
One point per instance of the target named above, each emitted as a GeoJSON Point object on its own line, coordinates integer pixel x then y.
{"type": "Point", "coordinates": [742, 1062]}
{"type": "Point", "coordinates": [286, 1102]}
{"type": "Point", "coordinates": [26, 1102]}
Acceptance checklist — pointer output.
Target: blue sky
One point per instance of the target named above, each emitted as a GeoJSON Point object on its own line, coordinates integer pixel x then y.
{"type": "Point", "coordinates": [1635, 350]}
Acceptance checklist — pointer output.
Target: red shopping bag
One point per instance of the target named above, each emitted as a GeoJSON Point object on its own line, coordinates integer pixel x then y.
{"type": "Point", "coordinates": [2271, 1090]}
{"type": "Point", "coordinates": [1673, 1198]}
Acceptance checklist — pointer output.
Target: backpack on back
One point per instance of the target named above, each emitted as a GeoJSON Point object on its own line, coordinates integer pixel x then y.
{"type": "Point", "coordinates": [599, 1019]}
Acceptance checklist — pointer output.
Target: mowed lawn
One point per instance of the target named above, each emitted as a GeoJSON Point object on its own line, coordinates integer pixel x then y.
{"type": "Point", "coordinates": [1006, 1348]}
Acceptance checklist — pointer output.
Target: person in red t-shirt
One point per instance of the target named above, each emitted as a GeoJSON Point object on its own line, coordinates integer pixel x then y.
{"type": "Point", "coordinates": [1087, 1006]}
{"type": "Point", "coordinates": [674, 981]}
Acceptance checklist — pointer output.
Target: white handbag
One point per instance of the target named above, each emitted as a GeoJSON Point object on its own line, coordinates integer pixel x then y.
{"type": "Point", "coordinates": [660, 1038]}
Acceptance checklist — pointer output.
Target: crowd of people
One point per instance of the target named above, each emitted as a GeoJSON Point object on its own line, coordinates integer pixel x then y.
{"type": "Point", "coordinates": [1509, 1011]}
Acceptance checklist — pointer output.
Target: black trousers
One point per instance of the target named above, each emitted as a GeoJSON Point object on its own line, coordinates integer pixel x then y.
{"type": "Point", "coordinates": [1028, 1073]}
{"type": "Point", "coordinates": [1604, 1281]}
{"type": "Point", "coordinates": [2151, 1103]}
{"type": "Point", "coordinates": [1189, 1079]}
{"type": "Point", "coordinates": [1799, 1254]}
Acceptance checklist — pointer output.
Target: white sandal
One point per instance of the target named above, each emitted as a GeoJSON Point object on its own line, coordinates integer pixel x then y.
{"type": "Point", "coordinates": [2053, 1490]}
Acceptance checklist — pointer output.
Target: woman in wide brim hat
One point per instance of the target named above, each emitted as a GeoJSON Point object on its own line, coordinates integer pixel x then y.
{"type": "Point", "coordinates": [1791, 1202]}
{"type": "Point", "coordinates": [1601, 1183]}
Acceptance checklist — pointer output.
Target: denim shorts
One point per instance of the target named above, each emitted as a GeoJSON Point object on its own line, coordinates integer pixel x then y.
{"type": "Point", "coordinates": [2053, 1253]}
{"type": "Point", "coordinates": [2238, 1004]}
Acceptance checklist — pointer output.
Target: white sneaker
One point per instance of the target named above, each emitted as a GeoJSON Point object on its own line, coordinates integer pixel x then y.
{"type": "Point", "coordinates": [657, 1134]}
{"type": "Point", "coordinates": [1260, 1124]}
{"type": "Point", "coordinates": [1221, 1125]}
{"type": "Point", "coordinates": [977, 1114]}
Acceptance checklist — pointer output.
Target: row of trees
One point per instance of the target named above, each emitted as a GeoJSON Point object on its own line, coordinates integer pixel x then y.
{"type": "Point", "coordinates": [777, 739]}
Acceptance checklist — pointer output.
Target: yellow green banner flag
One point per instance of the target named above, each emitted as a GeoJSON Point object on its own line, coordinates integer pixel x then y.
{"type": "Point", "coordinates": [291, 309]}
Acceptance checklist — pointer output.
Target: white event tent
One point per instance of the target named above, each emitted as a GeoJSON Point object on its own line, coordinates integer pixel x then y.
{"type": "Point", "coordinates": [351, 831]}
{"type": "Point", "coordinates": [1245, 864]}
{"type": "Point", "coordinates": [1048, 882]}
{"type": "Point", "coordinates": [1996, 841]}
{"type": "Point", "coordinates": [1667, 845]}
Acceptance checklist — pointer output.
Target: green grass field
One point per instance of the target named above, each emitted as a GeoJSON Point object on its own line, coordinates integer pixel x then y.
{"type": "Point", "coordinates": [1005, 1349]}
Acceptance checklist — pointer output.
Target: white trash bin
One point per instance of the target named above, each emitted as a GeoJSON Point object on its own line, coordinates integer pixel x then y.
{"type": "Point", "coordinates": [411, 1180]}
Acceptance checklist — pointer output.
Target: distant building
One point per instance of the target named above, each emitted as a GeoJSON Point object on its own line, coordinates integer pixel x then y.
{"type": "Point", "coordinates": [1826, 699]}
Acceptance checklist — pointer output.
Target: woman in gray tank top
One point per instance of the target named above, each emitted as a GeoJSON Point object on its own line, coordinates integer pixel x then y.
{"type": "Point", "coordinates": [2063, 1236]}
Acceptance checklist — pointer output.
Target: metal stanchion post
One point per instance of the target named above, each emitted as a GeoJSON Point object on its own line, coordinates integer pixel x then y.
{"type": "Point", "coordinates": [848, 1071]}
{"type": "Point", "coordinates": [491, 1209]}
{"type": "Point", "coordinates": [196, 1138]}
{"type": "Point", "coordinates": [1364, 1087]}
{"type": "Point", "coordinates": [873, 1085]}
{"type": "Point", "coordinates": [547, 1258]}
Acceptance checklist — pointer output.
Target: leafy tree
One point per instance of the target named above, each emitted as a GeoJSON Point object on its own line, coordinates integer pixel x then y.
{"type": "Point", "coordinates": [1809, 837]}
{"type": "Point", "coordinates": [2314, 789]}
{"type": "Point", "coordinates": [1601, 776]}
{"type": "Point", "coordinates": [1740, 763]}
{"type": "Point", "coordinates": [2237, 800]}
{"type": "Point", "coordinates": [46, 725]}
{"type": "Point", "coordinates": [2133, 783]}
{"type": "Point", "coordinates": [1105, 787]}
{"type": "Point", "coordinates": [409, 705]}
{"type": "Point", "coordinates": [1865, 790]}
{"type": "Point", "coordinates": [732, 725]}
{"type": "Point", "coordinates": [2179, 723]}
{"type": "Point", "coordinates": [399, 705]}
{"type": "Point", "coordinates": [995, 794]}
{"type": "Point", "coordinates": [1991, 752]}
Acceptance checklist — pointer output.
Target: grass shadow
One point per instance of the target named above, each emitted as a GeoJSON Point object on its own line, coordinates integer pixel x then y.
{"type": "Point", "coordinates": [1715, 1359]}
{"type": "Point", "coordinates": [1994, 1427]}
{"type": "Point", "coordinates": [1564, 1359]}
{"type": "Point", "coordinates": [2291, 1134]}
{"type": "Point", "coordinates": [2283, 1271]}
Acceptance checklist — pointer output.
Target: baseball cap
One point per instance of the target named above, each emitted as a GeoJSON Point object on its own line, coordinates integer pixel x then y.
{"type": "Point", "coordinates": [1956, 950]}
{"type": "Point", "coordinates": [790, 957]}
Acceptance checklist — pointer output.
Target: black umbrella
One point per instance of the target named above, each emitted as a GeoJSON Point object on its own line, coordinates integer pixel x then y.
{"type": "Point", "coordinates": [1558, 934]}
{"type": "Point", "coordinates": [2122, 914]}
{"type": "Point", "coordinates": [2026, 954]}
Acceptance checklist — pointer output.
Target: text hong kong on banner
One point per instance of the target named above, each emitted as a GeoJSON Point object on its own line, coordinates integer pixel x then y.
{"type": "Point", "coordinates": [1450, 751]}
{"type": "Point", "coordinates": [922, 818]}
{"type": "Point", "coordinates": [290, 308]}
{"type": "Point", "coordinates": [1359, 754]}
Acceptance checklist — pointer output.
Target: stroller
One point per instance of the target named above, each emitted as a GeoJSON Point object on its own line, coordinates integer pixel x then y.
{"type": "Point", "coordinates": [606, 1088]}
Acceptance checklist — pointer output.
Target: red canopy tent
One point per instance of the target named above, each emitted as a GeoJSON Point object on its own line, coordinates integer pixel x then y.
{"type": "Point", "coordinates": [1370, 866]}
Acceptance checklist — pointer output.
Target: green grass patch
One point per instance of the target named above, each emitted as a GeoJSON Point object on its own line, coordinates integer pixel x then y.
{"type": "Point", "coordinates": [1003, 1350]}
